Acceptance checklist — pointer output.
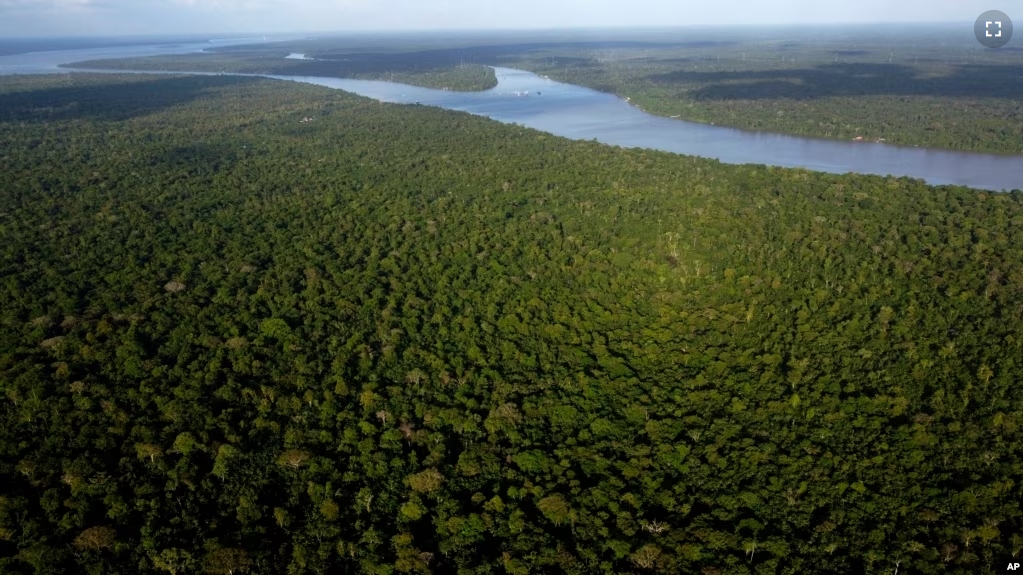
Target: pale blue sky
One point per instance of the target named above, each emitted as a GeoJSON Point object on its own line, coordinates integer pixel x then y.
{"type": "Point", "coordinates": [136, 17]}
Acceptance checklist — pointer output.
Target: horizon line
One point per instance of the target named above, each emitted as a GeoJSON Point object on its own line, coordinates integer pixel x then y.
{"type": "Point", "coordinates": [438, 30]}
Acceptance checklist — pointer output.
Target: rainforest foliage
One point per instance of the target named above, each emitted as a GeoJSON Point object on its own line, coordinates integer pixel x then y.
{"type": "Point", "coordinates": [403, 339]}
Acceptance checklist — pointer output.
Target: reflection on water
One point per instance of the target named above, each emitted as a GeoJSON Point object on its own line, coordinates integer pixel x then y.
{"type": "Point", "coordinates": [581, 113]}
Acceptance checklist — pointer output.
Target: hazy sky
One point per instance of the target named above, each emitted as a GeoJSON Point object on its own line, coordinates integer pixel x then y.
{"type": "Point", "coordinates": [131, 17]}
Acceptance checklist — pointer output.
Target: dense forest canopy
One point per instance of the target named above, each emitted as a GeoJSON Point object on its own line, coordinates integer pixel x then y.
{"type": "Point", "coordinates": [931, 86]}
{"type": "Point", "coordinates": [403, 339]}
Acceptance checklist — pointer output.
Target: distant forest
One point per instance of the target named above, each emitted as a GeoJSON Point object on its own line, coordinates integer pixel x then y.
{"type": "Point", "coordinates": [918, 86]}
{"type": "Point", "coordinates": [398, 339]}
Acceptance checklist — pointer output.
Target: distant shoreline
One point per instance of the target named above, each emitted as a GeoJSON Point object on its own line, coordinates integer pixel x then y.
{"type": "Point", "coordinates": [13, 47]}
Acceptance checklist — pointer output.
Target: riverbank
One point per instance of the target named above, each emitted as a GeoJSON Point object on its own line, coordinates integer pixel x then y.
{"type": "Point", "coordinates": [584, 114]}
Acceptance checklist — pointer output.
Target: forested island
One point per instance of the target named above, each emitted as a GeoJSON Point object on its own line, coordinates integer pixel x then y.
{"type": "Point", "coordinates": [258, 326]}
{"type": "Point", "coordinates": [439, 73]}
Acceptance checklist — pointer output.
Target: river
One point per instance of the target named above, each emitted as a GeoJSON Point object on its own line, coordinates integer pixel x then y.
{"type": "Point", "coordinates": [581, 113]}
